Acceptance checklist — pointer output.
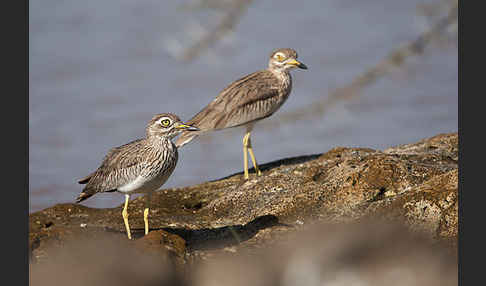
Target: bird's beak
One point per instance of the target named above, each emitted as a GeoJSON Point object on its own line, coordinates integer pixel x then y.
{"type": "Point", "coordinates": [296, 63]}
{"type": "Point", "coordinates": [186, 127]}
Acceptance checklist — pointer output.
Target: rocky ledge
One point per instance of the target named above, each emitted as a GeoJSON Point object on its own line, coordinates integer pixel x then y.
{"type": "Point", "coordinates": [415, 185]}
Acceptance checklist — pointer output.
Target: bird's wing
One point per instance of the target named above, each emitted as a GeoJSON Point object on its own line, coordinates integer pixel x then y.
{"type": "Point", "coordinates": [117, 169]}
{"type": "Point", "coordinates": [85, 179]}
{"type": "Point", "coordinates": [241, 102]}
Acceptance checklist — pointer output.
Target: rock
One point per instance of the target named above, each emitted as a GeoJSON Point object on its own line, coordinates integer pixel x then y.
{"type": "Point", "coordinates": [414, 184]}
{"type": "Point", "coordinates": [54, 237]}
{"type": "Point", "coordinates": [164, 244]}
{"type": "Point", "coordinates": [366, 253]}
{"type": "Point", "coordinates": [99, 261]}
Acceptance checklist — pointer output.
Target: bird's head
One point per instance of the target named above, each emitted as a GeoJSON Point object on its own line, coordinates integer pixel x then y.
{"type": "Point", "coordinates": [284, 60]}
{"type": "Point", "coordinates": [167, 125]}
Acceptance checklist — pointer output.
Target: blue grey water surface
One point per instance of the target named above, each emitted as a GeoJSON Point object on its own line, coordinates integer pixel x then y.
{"type": "Point", "coordinates": [99, 70]}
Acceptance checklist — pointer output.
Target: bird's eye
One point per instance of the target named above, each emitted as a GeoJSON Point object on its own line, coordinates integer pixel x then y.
{"type": "Point", "coordinates": [165, 122]}
{"type": "Point", "coordinates": [279, 57]}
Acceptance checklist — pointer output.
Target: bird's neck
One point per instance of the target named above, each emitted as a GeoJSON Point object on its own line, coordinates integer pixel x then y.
{"type": "Point", "coordinates": [160, 142]}
{"type": "Point", "coordinates": [283, 76]}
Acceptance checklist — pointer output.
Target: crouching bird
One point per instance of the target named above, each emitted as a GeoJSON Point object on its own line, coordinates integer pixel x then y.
{"type": "Point", "coordinates": [141, 166]}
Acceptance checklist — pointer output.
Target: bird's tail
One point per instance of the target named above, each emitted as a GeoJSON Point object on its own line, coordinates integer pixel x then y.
{"type": "Point", "coordinates": [83, 196]}
{"type": "Point", "coordinates": [85, 193]}
{"type": "Point", "coordinates": [185, 138]}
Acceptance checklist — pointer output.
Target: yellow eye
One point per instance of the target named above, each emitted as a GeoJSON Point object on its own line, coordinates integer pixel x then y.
{"type": "Point", "coordinates": [279, 57]}
{"type": "Point", "coordinates": [165, 122]}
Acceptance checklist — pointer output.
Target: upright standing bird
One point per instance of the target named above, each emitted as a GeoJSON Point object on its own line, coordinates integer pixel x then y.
{"type": "Point", "coordinates": [247, 100]}
{"type": "Point", "coordinates": [141, 166]}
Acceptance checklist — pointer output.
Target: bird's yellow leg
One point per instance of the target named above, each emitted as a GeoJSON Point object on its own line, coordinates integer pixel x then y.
{"type": "Point", "coordinates": [252, 156]}
{"type": "Point", "coordinates": [245, 154]}
{"type": "Point", "coordinates": [146, 213]}
{"type": "Point", "coordinates": [125, 216]}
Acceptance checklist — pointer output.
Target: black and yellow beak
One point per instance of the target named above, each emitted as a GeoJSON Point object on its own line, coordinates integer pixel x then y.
{"type": "Point", "coordinates": [187, 127]}
{"type": "Point", "coordinates": [294, 62]}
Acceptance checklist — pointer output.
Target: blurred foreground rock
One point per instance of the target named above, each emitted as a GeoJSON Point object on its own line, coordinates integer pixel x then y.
{"type": "Point", "coordinates": [319, 200]}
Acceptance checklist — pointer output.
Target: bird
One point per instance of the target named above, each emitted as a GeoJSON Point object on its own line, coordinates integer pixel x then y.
{"type": "Point", "coordinates": [247, 100]}
{"type": "Point", "coordinates": [141, 166]}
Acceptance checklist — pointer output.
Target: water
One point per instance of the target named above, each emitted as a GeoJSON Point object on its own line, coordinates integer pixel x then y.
{"type": "Point", "coordinates": [99, 70]}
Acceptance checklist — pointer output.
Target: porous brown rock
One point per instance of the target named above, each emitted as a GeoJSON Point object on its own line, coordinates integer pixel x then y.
{"type": "Point", "coordinates": [415, 184]}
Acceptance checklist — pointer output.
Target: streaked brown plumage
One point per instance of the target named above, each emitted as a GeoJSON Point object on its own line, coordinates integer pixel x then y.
{"type": "Point", "coordinates": [247, 100]}
{"type": "Point", "coordinates": [141, 166]}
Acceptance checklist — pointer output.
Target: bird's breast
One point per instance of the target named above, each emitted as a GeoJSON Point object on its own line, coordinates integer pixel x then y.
{"type": "Point", "coordinates": [286, 83]}
{"type": "Point", "coordinates": [158, 165]}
